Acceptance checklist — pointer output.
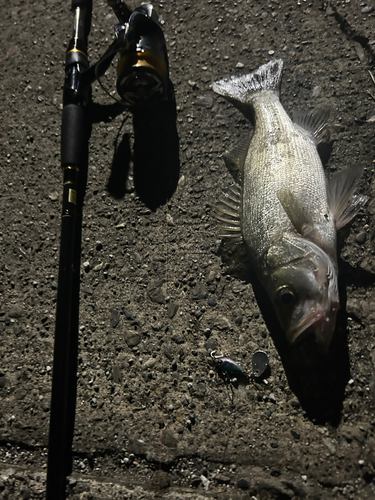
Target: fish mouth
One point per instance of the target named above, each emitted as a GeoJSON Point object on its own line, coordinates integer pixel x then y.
{"type": "Point", "coordinates": [313, 315]}
{"type": "Point", "coordinates": [317, 320]}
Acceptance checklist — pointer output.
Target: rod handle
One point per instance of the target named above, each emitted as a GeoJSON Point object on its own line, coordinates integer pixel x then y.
{"type": "Point", "coordinates": [73, 136]}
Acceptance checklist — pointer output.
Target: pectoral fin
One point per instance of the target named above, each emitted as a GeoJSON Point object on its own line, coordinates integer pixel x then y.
{"type": "Point", "coordinates": [298, 214]}
{"type": "Point", "coordinates": [341, 199]}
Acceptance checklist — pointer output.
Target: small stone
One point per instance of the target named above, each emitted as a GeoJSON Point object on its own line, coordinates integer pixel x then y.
{"type": "Point", "coordinates": [242, 484]}
{"type": "Point", "coordinates": [116, 374]}
{"type": "Point", "coordinates": [316, 91]}
{"type": "Point", "coordinates": [172, 309]}
{"type": "Point", "coordinates": [132, 339]}
{"type": "Point", "coordinates": [168, 439]}
{"type": "Point", "coordinates": [196, 482]}
{"type": "Point", "coordinates": [222, 323]}
{"type": "Point", "coordinates": [238, 316]}
{"type": "Point", "coordinates": [161, 479]}
{"type": "Point", "coordinates": [86, 266]}
{"type": "Point", "coordinates": [178, 339]}
{"type": "Point", "coordinates": [204, 101]}
{"type": "Point", "coordinates": [367, 9]}
{"type": "Point", "coordinates": [199, 292]}
{"type": "Point", "coordinates": [221, 479]}
{"type": "Point", "coordinates": [205, 482]}
{"type": "Point", "coordinates": [240, 65]}
{"type": "Point", "coordinates": [115, 318]}
{"type": "Point", "coordinates": [271, 52]}
{"type": "Point", "coordinates": [239, 287]}
{"type": "Point", "coordinates": [272, 398]}
{"type": "Point", "coordinates": [72, 482]}
{"type": "Point", "coordinates": [295, 434]}
{"type": "Point", "coordinates": [98, 245]}
{"type": "Point", "coordinates": [16, 312]}
{"type": "Point", "coordinates": [169, 219]}
{"type": "Point", "coordinates": [155, 292]}
{"type": "Point", "coordinates": [150, 363]}
{"type": "Point", "coordinates": [361, 238]}
{"type": "Point", "coordinates": [329, 443]}
{"type": "Point", "coordinates": [53, 196]}
{"type": "Point", "coordinates": [212, 301]}
{"type": "Point", "coordinates": [20, 394]}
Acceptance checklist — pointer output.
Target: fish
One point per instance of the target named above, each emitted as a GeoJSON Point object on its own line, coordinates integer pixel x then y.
{"type": "Point", "coordinates": [283, 208]}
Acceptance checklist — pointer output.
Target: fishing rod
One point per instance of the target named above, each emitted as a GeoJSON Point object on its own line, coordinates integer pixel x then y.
{"type": "Point", "coordinates": [142, 80]}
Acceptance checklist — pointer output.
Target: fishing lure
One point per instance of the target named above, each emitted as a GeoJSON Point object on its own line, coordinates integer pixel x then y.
{"type": "Point", "coordinates": [225, 365]}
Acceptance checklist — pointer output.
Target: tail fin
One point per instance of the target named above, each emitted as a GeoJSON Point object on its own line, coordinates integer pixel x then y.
{"type": "Point", "coordinates": [239, 89]}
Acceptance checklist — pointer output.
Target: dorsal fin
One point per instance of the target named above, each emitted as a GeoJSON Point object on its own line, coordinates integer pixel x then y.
{"type": "Point", "coordinates": [314, 121]}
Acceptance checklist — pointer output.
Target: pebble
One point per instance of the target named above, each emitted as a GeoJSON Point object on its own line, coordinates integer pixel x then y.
{"type": "Point", "coordinates": [26, 494]}
{"type": "Point", "coordinates": [272, 398]}
{"type": "Point", "coordinates": [242, 484]}
{"type": "Point", "coordinates": [221, 479]}
{"type": "Point", "coordinates": [116, 374]}
{"type": "Point", "coordinates": [204, 101]}
{"type": "Point", "coordinates": [316, 91]}
{"type": "Point", "coordinates": [239, 287]}
{"type": "Point", "coordinates": [16, 312]}
{"type": "Point", "coordinates": [367, 9]}
{"type": "Point", "coordinates": [53, 196]}
{"type": "Point", "coordinates": [240, 65]}
{"type": "Point", "coordinates": [222, 323]}
{"type": "Point", "coordinates": [115, 318]}
{"type": "Point", "coordinates": [238, 316]}
{"type": "Point", "coordinates": [155, 292]}
{"type": "Point", "coordinates": [295, 434]}
{"type": "Point", "coordinates": [168, 439]}
{"type": "Point", "coordinates": [132, 339]}
{"type": "Point", "coordinates": [212, 301]}
{"type": "Point", "coordinates": [199, 292]}
{"type": "Point", "coordinates": [205, 482]}
{"type": "Point", "coordinates": [329, 443]}
{"type": "Point", "coordinates": [172, 309]}
{"type": "Point", "coordinates": [169, 220]}
{"type": "Point", "coordinates": [360, 238]}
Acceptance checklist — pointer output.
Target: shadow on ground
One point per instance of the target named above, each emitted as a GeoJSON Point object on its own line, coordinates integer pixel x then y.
{"type": "Point", "coordinates": [317, 379]}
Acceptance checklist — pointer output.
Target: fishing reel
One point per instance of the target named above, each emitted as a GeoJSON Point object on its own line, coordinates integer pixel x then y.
{"type": "Point", "coordinates": [142, 67]}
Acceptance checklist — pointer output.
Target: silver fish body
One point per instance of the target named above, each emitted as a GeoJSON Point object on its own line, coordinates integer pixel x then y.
{"type": "Point", "coordinates": [285, 211]}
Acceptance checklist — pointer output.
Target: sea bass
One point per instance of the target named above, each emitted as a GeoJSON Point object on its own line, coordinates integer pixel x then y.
{"type": "Point", "coordinates": [285, 211]}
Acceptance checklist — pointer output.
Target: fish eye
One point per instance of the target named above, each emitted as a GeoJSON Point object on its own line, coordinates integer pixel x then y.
{"type": "Point", "coordinates": [285, 296]}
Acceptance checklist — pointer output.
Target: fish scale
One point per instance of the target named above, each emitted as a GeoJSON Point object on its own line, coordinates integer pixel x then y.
{"type": "Point", "coordinates": [289, 161]}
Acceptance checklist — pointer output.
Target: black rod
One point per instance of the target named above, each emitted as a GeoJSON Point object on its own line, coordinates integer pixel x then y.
{"type": "Point", "coordinates": [75, 133]}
